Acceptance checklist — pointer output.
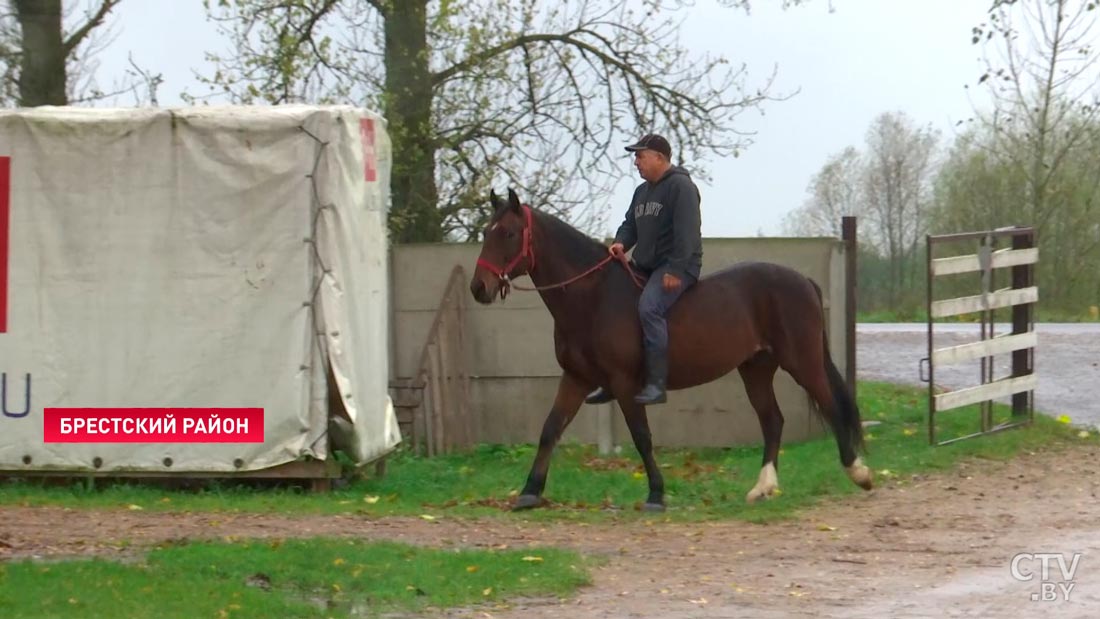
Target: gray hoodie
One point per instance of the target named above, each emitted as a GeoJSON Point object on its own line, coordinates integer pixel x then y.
{"type": "Point", "coordinates": [663, 224]}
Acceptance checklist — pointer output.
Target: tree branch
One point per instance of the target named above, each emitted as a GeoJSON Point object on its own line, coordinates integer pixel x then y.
{"type": "Point", "coordinates": [94, 22]}
{"type": "Point", "coordinates": [377, 5]}
{"type": "Point", "coordinates": [567, 38]}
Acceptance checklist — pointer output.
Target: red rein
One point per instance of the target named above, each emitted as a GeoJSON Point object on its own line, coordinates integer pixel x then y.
{"type": "Point", "coordinates": [528, 251]}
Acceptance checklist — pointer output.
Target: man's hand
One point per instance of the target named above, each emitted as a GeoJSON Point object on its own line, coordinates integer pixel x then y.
{"type": "Point", "coordinates": [671, 282]}
{"type": "Point", "coordinates": [616, 250]}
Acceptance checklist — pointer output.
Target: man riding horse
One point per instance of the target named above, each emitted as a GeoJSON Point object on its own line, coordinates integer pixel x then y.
{"type": "Point", "coordinates": [662, 225]}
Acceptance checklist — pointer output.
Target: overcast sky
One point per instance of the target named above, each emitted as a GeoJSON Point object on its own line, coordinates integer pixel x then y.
{"type": "Point", "coordinates": [866, 57]}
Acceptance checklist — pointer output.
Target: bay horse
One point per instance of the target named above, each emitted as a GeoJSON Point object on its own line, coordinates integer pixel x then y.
{"type": "Point", "coordinates": [754, 317]}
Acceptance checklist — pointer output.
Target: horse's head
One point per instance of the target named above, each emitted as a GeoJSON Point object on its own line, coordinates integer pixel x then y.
{"type": "Point", "coordinates": [506, 252]}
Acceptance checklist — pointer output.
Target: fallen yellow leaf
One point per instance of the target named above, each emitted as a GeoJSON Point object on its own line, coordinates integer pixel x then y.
{"type": "Point", "coordinates": [427, 517]}
{"type": "Point", "coordinates": [471, 568]}
{"type": "Point", "coordinates": [135, 508]}
{"type": "Point", "coordinates": [487, 591]}
{"type": "Point", "coordinates": [1064, 419]}
{"type": "Point", "coordinates": [825, 527]}
{"type": "Point", "coordinates": [338, 561]}
{"type": "Point", "coordinates": [530, 558]}
{"type": "Point", "coordinates": [371, 499]}
{"type": "Point", "coordinates": [1083, 434]}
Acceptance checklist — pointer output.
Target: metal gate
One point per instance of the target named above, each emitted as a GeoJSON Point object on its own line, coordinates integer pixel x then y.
{"type": "Point", "coordinates": [1019, 297]}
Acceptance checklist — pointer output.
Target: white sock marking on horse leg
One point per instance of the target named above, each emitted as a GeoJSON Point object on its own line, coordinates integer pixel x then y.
{"type": "Point", "coordinates": [859, 473]}
{"type": "Point", "coordinates": [766, 484]}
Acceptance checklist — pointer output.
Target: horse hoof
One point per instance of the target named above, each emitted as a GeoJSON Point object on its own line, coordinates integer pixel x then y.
{"type": "Point", "coordinates": [526, 501]}
{"type": "Point", "coordinates": [653, 507]}
{"type": "Point", "coordinates": [861, 475]}
{"type": "Point", "coordinates": [755, 495]}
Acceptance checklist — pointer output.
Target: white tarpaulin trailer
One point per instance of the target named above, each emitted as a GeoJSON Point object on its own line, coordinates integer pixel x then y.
{"type": "Point", "coordinates": [199, 257]}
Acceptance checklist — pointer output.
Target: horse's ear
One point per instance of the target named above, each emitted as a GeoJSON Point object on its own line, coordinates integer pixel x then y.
{"type": "Point", "coordinates": [494, 201]}
{"type": "Point", "coordinates": [513, 200]}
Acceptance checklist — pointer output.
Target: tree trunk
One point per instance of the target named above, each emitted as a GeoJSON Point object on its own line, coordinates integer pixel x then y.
{"type": "Point", "coordinates": [42, 75]}
{"type": "Point", "coordinates": [414, 216]}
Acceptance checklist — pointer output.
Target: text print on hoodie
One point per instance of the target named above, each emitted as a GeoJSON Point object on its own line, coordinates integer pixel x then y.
{"type": "Point", "coordinates": [663, 225]}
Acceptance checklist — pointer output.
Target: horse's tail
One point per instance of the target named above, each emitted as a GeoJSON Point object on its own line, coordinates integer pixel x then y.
{"type": "Point", "coordinates": [845, 419]}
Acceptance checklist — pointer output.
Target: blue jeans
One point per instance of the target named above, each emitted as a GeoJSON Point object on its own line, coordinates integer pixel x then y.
{"type": "Point", "coordinates": [653, 309]}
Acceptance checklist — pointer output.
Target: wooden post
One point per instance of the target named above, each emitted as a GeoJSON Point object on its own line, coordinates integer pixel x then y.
{"type": "Point", "coordinates": [1021, 323]}
{"type": "Point", "coordinates": [427, 407]}
{"type": "Point", "coordinates": [462, 368]}
{"type": "Point", "coordinates": [851, 248]}
{"type": "Point", "coordinates": [441, 366]}
{"type": "Point", "coordinates": [438, 405]}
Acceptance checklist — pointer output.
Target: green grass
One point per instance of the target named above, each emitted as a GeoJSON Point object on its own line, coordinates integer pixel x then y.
{"type": "Point", "coordinates": [291, 578]}
{"type": "Point", "coordinates": [700, 483]}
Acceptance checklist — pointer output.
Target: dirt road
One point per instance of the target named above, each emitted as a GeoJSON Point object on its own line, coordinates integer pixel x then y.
{"type": "Point", "coordinates": [937, 546]}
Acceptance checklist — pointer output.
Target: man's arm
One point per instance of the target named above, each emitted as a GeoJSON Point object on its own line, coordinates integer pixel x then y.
{"type": "Point", "coordinates": [628, 231]}
{"type": "Point", "coordinates": [686, 228]}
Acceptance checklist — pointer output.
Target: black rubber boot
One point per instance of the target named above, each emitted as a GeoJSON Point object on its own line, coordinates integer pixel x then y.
{"type": "Point", "coordinates": [599, 396]}
{"type": "Point", "coordinates": [656, 373]}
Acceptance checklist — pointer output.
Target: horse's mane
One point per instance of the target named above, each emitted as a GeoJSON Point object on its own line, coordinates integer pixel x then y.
{"type": "Point", "coordinates": [570, 240]}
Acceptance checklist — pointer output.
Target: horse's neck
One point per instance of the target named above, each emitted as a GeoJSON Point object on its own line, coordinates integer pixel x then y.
{"type": "Point", "coordinates": [570, 303]}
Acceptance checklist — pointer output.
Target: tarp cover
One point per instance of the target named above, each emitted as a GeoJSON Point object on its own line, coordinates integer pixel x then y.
{"type": "Point", "coordinates": [199, 257]}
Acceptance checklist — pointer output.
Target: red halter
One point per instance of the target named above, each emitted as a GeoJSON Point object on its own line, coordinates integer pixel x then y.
{"type": "Point", "coordinates": [526, 252]}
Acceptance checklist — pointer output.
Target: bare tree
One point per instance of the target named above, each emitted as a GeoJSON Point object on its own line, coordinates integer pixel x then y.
{"type": "Point", "coordinates": [10, 47]}
{"type": "Point", "coordinates": [536, 94]}
{"type": "Point", "coordinates": [835, 191]}
{"type": "Point", "coordinates": [1041, 73]}
{"type": "Point", "coordinates": [48, 52]}
{"type": "Point", "coordinates": [899, 175]}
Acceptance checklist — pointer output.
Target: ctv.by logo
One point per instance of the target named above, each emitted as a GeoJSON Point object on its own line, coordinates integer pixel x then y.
{"type": "Point", "coordinates": [1050, 590]}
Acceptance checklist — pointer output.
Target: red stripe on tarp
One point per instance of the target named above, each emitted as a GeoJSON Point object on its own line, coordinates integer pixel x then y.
{"type": "Point", "coordinates": [370, 159]}
{"type": "Point", "coordinates": [5, 213]}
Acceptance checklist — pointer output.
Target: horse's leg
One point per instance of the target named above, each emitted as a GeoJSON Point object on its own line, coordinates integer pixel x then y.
{"type": "Point", "coordinates": [758, 374]}
{"type": "Point", "coordinates": [570, 394]}
{"type": "Point", "coordinates": [638, 423]}
{"type": "Point", "coordinates": [813, 369]}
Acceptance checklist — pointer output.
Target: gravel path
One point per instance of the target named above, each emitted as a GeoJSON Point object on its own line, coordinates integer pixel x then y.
{"type": "Point", "coordinates": [1067, 361]}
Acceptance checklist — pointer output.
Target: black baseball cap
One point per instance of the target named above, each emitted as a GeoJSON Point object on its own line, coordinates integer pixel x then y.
{"type": "Point", "coordinates": [652, 141]}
